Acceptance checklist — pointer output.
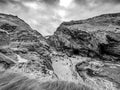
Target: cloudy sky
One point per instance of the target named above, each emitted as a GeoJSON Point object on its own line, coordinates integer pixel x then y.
{"type": "Point", "coordinates": [46, 15]}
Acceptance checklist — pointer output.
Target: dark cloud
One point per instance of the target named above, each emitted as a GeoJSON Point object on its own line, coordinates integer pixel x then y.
{"type": "Point", "coordinates": [86, 2]}
{"type": "Point", "coordinates": [111, 1]}
{"type": "Point", "coordinates": [81, 2]}
{"type": "Point", "coordinates": [51, 2]}
{"type": "Point", "coordinates": [7, 1]}
{"type": "Point", "coordinates": [3, 1]}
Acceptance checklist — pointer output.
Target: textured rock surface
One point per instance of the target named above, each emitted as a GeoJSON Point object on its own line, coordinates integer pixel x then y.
{"type": "Point", "coordinates": [97, 42]}
{"type": "Point", "coordinates": [84, 51]}
{"type": "Point", "coordinates": [98, 36]}
{"type": "Point", "coordinates": [22, 48]}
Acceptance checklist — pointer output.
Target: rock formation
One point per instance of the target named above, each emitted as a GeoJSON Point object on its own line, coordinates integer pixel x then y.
{"type": "Point", "coordinates": [84, 51]}
{"type": "Point", "coordinates": [22, 47]}
{"type": "Point", "coordinates": [97, 41]}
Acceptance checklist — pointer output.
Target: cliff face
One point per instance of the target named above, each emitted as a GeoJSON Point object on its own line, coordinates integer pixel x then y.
{"type": "Point", "coordinates": [22, 48]}
{"type": "Point", "coordinates": [84, 51]}
{"type": "Point", "coordinates": [98, 36]}
{"type": "Point", "coordinates": [97, 42]}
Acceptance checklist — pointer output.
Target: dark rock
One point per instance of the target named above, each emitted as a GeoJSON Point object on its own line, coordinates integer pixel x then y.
{"type": "Point", "coordinates": [85, 39]}
{"type": "Point", "coordinates": [18, 38]}
{"type": "Point", "coordinates": [4, 38]}
{"type": "Point", "coordinates": [8, 27]}
{"type": "Point", "coordinates": [97, 38]}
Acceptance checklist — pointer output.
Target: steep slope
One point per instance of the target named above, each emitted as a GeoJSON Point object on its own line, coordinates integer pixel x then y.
{"type": "Point", "coordinates": [92, 45]}
{"type": "Point", "coordinates": [89, 37]}
{"type": "Point", "coordinates": [14, 81]}
{"type": "Point", "coordinates": [22, 48]}
{"type": "Point", "coordinates": [85, 52]}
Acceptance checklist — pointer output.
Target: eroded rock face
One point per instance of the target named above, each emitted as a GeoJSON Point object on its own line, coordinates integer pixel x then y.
{"type": "Point", "coordinates": [84, 51]}
{"type": "Point", "coordinates": [98, 39]}
{"type": "Point", "coordinates": [22, 48]}
{"type": "Point", "coordinates": [91, 42]}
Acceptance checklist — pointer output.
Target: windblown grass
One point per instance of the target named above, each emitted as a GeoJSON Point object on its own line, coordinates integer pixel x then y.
{"type": "Point", "coordinates": [15, 81]}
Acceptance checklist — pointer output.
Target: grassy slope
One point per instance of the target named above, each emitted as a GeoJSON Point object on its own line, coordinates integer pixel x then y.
{"type": "Point", "coordinates": [15, 81]}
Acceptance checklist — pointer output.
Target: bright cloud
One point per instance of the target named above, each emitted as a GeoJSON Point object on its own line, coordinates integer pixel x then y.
{"type": "Point", "coordinates": [32, 5]}
{"type": "Point", "coordinates": [46, 15]}
{"type": "Point", "coordinates": [62, 14]}
{"type": "Point", "coordinates": [65, 3]}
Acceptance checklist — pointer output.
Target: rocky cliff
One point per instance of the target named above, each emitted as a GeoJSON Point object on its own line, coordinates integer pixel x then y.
{"type": "Point", "coordinates": [95, 43]}
{"type": "Point", "coordinates": [22, 48]}
{"type": "Point", "coordinates": [84, 52]}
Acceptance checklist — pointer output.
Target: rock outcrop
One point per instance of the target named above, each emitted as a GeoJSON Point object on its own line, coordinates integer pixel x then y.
{"type": "Point", "coordinates": [98, 40]}
{"type": "Point", "coordinates": [84, 51]}
{"type": "Point", "coordinates": [94, 37]}
{"type": "Point", "coordinates": [22, 48]}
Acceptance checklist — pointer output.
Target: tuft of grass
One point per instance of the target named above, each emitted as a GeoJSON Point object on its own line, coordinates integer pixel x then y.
{"type": "Point", "coordinates": [15, 81]}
